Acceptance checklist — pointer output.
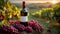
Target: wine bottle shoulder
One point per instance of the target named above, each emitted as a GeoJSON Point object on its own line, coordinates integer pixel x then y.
{"type": "Point", "coordinates": [24, 10]}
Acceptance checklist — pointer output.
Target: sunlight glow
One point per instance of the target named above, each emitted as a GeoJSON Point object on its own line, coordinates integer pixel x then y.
{"type": "Point", "coordinates": [54, 1]}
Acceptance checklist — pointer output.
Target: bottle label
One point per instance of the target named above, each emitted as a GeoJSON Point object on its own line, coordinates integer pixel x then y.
{"type": "Point", "coordinates": [23, 18]}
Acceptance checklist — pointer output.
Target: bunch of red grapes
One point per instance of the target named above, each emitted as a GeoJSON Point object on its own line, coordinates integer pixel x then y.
{"type": "Point", "coordinates": [32, 25]}
{"type": "Point", "coordinates": [15, 27]}
{"type": "Point", "coordinates": [21, 27]}
{"type": "Point", "coordinates": [35, 25]}
{"type": "Point", "coordinates": [5, 29]}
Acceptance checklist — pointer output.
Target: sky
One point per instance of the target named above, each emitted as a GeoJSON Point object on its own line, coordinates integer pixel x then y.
{"type": "Point", "coordinates": [34, 1]}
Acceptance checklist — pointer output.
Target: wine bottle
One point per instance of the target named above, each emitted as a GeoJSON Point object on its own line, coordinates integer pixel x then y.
{"type": "Point", "coordinates": [24, 15]}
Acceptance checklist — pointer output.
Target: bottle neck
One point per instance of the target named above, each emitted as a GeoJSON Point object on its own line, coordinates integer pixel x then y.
{"type": "Point", "coordinates": [23, 7]}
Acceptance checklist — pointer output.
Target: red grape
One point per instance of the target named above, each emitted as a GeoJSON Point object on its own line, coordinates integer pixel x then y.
{"type": "Point", "coordinates": [17, 21]}
{"type": "Point", "coordinates": [20, 27]}
{"type": "Point", "coordinates": [28, 29]}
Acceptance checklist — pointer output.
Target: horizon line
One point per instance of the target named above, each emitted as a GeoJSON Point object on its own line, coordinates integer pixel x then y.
{"type": "Point", "coordinates": [32, 1]}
